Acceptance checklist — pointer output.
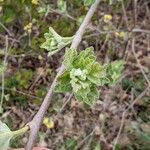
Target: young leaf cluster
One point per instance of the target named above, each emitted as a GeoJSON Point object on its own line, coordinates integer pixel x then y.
{"type": "Point", "coordinates": [83, 74]}
{"type": "Point", "coordinates": [54, 42]}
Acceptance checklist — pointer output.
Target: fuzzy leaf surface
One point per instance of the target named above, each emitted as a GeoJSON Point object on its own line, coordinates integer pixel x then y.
{"type": "Point", "coordinates": [54, 42]}
{"type": "Point", "coordinates": [79, 77]}
{"type": "Point", "coordinates": [5, 136]}
{"type": "Point", "coordinates": [114, 71]}
{"type": "Point", "coordinates": [83, 74]}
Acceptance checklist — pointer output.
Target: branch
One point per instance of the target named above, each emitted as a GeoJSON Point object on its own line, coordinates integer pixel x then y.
{"type": "Point", "coordinates": [37, 120]}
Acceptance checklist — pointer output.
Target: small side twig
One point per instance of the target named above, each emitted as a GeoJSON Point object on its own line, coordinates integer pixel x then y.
{"type": "Point", "coordinates": [138, 62]}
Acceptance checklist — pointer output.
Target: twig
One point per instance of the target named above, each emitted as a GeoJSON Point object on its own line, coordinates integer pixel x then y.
{"type": "Point", "coordinates": [138, 62]}
{"type": "Point", "coordinates": [81, 143]}
{"type": "Point", "coordinates": [20, 92]}
{"type": "Point", "coordinates": [65, 14]}
{"type": "Point", "coordinates": [66, 102]}
{"type": "Point", "coordinates": [5, 28]}
{"type": "Point", "coordinates": [125, 15]}
{"type": "Point", "coordinates": [134, 30]}
{"type": "Point", "coordinates": [3, 75]}
{"type": "Point", "coordinates": [37, 120]}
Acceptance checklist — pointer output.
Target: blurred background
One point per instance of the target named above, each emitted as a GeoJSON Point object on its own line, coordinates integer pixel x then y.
{"type": "Point", "coordinates": [120, 29]}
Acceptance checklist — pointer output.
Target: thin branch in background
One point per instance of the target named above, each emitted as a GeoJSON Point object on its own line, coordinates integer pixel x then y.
{"type": "Point", "coordinates": [135, 12]}
{"type": "Point", "coordinates": [5, 28]}
{"type": "Point", "coordinates": [125, 14]}
{"type": "Point", "coordinates": [82, 142]}
{"type": "Point", "coordinates": [20, 92]}
{"type": "Point", "coordinates": [65, 14]}
{"type": "Point", "coordinates": [37, 120]}
{"type": "Point", "coordinates": [134, 30]}
{"type": "Point", "coordinates": [3, 75]}
{"type": "Point", "coordinates": [137, 30]}
{"type": "Point", "coordinates": [138, 62]}
{"type": "Point", "coordinates": [69, 96]}
{"type": "Point", "coordinates": [29, 38]}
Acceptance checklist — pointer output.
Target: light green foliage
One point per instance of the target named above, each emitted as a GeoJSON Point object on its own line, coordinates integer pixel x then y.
{"type": "Point", "coordinates": [70, 143]}
{"type": "Point", "coordinates": [77, 76]}
{"type": "Point", "coordinates": [20, 80]}
{"type": "Point", "coordinates": [88, 2]}
{"type": "Point", "coordinates": [5, 136]}
{"type": "Point", "coordinates": [62, 6]}
{"type": "Point", "coordinates": [97, 147]}
{"type": "Point", "coordinates": [83, 74]}
{"type": "Point", "coordinates": [54, 42]}
{"type": "Point", "coordinates": [114, 71]}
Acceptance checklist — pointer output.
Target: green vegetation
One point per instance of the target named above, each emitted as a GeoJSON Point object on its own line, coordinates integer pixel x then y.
{"type": "Point", "coordinates": [107, 75]}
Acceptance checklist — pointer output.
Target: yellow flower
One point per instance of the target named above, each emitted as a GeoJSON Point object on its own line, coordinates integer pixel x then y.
{"type": "Point", "coordinates": [107, 18]}
{"type": "Point", "coordinates": [120, 34]}
{"type": "Point", "coordinates": [34, 2]}
{"type": "Point", "coordinates": [49, 123]}
{"type": "Point", "coordinates": [28, 27]}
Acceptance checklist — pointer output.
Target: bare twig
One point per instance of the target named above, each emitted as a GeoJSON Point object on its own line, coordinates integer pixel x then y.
{"type": "Point", "coordinates": [125, 15]}
{"type": "Point", "coordinates": [138, 62]}
{"type": "Point", "coordinates": [81, 143]}
{"type": "Point", "coordinates": [5, 28]}
{"type": "Point", "coordinates": [66, 102]}
{"type": "Point", "coordinates": [3, 74]}
{"type": "Point", "coordinates": [37, 120]}
{"type": "Point", "coordinates": [65, 14]}
{"type": "Point", "coordinates": [134, 30]}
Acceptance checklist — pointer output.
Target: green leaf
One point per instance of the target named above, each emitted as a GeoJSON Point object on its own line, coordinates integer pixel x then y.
{"type": "Point", "coordinates": [5, 136]}
{"type": "Point", "coordinates": [54, 42]}
{"type": "Point", "coordinates": [114, 71]}
{"type": "Point", "coordinates": [84, 58]}
{"type": "Point", "coordinates": [71, 143]}
{"type": "Point", "coordinates": [69, 57]}
{"type": "Point", "coordinates": [62, 6]}
{"type": "Point", "coordinates": [63, 84]}
{"type": "Point", "coordinates": [88, 2]}
{"type": "Point", "coordinates": [88, 95]}
{"type": "Point", "coordinates": [9, 15]}
{"type": "Point", "coordinates": [83, 74]}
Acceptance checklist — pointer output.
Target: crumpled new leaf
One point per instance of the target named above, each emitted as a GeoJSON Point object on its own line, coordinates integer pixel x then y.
{"type": "Point", "coordinates": [83, 74]}
{"type": "Point", "coordinates": [54, 42]}
{"type": "Point", "coordinates": [5, 136]}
